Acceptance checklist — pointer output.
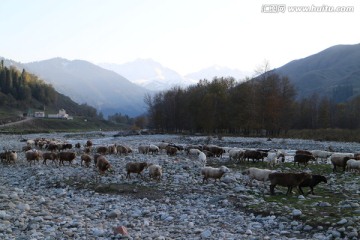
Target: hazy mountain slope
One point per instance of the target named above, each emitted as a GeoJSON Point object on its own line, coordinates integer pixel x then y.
{"type": "Point", "coordinates": [217, 71]}
{"type": "Point", "coordinates": [331, 72]}
{"type": "Point", "coordinates": [85, 82]}
{"type": "Point", "coordinates": [148, 74]}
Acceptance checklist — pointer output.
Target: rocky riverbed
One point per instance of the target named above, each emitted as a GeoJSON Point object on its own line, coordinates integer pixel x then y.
{"type": "Point", "coordinates": [75, 202]}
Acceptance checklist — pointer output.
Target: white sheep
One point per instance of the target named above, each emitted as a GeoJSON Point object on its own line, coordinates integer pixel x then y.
{"type": "Point", "coordinates": [30, 142]}
{"type": "Point", "coordinates": [216, 173]}
{"type": "Point", "coordinates": [258, 174]}
{"type": "Point", "coordinates": [153, 149]}
{"type": "Point", "coordinates": [162, 145]}
{"type": "Point", "coordinates": [340, 159]}
{"type": "Point", "coordinates": [273, 158]}
{"type": "Point", "coordinates": [11, 156]}
{"type": "Point", "coordinates": [144, 149]}
{"type": "Point", "coordinates": [194, 151]}
{"type": "Point", "coordinates": [353, 165]}
{"type": "Point", "coordinates": [236, 154]}
{"type": "Point", "coordinates": [202, 158]}
{"type": "Point", "coordinates": [155, 171]}
{"type": "Point", "coordinates": [350, 155]}
{"type": "Point", "coordinates": [322, 155]}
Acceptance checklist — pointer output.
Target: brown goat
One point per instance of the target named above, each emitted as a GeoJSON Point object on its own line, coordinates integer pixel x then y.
{"type": "Point", "coordinates": [217, 151]}
{"type": "Point", "coordinates": [102, 150]}
{"type": "Point", "coordinates": [121, 149]}
{"type": "Point", "coordinates": [135, 167]}
{"type": "Point", "coordinates": [303, 152]}
{"type": "Point", "coordinates": [66, 156]}
{"type": "Point", "coordinates": [88, 143]}
{"type": "Point", "coordinates": [33, 155]}
{"type": "Point", "coordinates": [86, 159]}
{"type": "Point", "coordinates": [303, 158]}
{"type": "Point", "coordinates": [254, 155]}
{"type": "Point", "coordinates": [103, 164]}
{"type": "Point", "coordinates": [112, 149]}
{"type": "Point", "coordinates": [51, 156]}
{"type": "Point", "coordinates": [171, 151]}
{"type": "Point", "coordinates": [288, 180]}
{"type": "Point", "coordinates": [96, 156]}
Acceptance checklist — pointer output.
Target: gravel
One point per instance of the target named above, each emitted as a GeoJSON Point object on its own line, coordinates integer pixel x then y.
{"type": "Point", "coordinates": [75, 202]}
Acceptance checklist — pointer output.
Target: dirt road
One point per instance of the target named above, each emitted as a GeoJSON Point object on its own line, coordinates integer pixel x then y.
{"type": "Point", "coordinates": [17, 122]}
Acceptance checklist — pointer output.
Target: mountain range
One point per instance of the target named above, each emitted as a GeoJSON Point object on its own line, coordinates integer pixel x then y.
{"type": "Point", "coordinates": [148, 74]}
{"type": "Point", "coordinates": [154, 76]}
{"type": "Point", "coordinates": [333, 72]}
{"type": "Point", "coordinates": [85, 82]}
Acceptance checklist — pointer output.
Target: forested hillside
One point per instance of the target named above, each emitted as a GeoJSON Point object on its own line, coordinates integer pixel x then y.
{"type": "Point", "coordinates": [267, 106]}
{"type": "Point", "coordinates": [21, 90]}
{"type": "Point", "coordinates": [333, 72]}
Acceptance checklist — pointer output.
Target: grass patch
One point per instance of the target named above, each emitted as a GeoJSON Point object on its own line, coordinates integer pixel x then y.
{"type": "Point", "coordinates": [333, 201]}
{"type": "Point", "coordinates": [46, 125]}
{"type": "Point", "coordinates": [128, 189]}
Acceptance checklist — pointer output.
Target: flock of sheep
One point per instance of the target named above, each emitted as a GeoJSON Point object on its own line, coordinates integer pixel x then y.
{"type": "Point", "coordinates": [59, 152]}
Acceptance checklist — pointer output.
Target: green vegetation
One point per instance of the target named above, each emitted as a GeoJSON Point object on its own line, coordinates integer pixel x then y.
{"type": "Point", "coordinates": [333, 193]}
{"type": "Point", "coordinates": [264, 106]}
{"type": "Point", "coordinates": [22, 91]}
{"type": "Point", "coordinates": [78, 124]}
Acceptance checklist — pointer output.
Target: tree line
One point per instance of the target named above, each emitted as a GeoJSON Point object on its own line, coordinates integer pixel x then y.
{"type": "Point", "coordinates": [266, 105]}
{"type": "Point", "coordinates": [23, 86]}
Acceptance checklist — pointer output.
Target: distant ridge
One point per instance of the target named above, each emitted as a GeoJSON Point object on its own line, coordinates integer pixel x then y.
{"type": "Point", "coordinates": [218, 71]}
{"type": "Point", "coordinates": [85, 82]}
{"type": "Point", "coordinates": [333, 72]}
{"type": "Point", "coordinates": [148, 74]}
{"type": "Point", "coordinates": [154, 76]}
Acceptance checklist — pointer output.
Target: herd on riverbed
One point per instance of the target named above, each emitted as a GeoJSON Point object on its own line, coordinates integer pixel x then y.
{"type": "Point", "coordinates": [59, 152]}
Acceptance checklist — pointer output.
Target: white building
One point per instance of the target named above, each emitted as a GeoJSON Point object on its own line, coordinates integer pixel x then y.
{"type": "Point", "coordinates": [39, 114]}
{"type": "Point", "coordinates": [62, 115]}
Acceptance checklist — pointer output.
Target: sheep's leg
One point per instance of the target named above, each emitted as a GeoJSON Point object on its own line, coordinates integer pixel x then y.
{"type": "Point", "coordinates": [289, 190]}
{"type": "Point", "coordinates": [312, 190]}
{"type": "Point", "coordinates": [301, 191]}
{"type": "Point", "coordinates": [272, 187]}
{"type": "Point", "coordinates": [205, 178]}
{"type": "Point", "coordinates": [250, 182]}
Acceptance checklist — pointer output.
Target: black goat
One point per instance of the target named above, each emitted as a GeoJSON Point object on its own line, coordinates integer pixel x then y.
{"type": "Point", "coordinates": [315, 180]}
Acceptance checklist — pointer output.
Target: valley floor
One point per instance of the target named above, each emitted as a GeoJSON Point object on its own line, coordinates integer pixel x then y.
{"type": "Point", "coordinates": [75, 202]}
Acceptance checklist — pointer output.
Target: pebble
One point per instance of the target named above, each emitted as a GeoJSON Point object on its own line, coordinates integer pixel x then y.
{"type": "Point", "coordinates": [296, 212]}
{"type": "Point", "coordinates": [48, 202]}
{"type": "Point", "coordinates": [342, 221]}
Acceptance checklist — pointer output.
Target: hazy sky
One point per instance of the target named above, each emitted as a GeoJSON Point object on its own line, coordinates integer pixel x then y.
{"type": "Point", "coordinates": [185, 35]}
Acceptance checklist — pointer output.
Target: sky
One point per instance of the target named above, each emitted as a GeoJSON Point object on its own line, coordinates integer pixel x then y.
{"type": "Point", "coordinates": [184, 35]}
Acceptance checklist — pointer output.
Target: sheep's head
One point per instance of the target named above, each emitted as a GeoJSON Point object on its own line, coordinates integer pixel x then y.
{"type": "Point", "coordinates": [346, 159]}
{"type": "Point", "coordinates": [224, 169]}
{"type": "Point", "coordinates": [323, 179]}
{"type": "Point", "coordinates": [111, 170]}
{"type": "Point", "coordinates": [144, 165]}
{"type": "Point", "coordinates": [246, 172]}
